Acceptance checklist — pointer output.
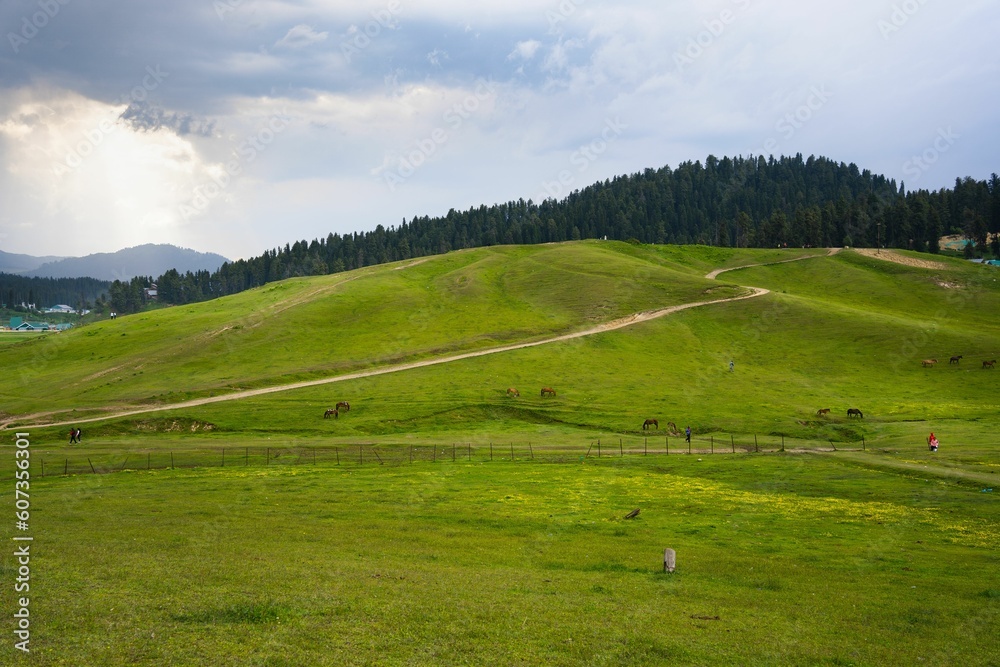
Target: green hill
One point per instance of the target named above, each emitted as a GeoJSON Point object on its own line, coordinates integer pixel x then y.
{"type": "Point", "coordinates": [835, 332]}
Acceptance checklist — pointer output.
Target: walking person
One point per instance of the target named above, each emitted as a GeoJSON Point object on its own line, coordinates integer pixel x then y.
{"type": "Point", "coordinates": [72, 436]}
{"type": "Point", "coordinates": [932, 442]}
{"type": "Point", "coordinates": [731, 365]}
{"type": "Point", "coordinates": [687, 435]}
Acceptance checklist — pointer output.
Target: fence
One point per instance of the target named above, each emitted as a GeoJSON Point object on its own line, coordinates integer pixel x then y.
{"type": "Point", "coordinates": [362, 454]}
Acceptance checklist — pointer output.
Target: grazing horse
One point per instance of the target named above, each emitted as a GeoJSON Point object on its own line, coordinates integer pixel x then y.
{"type": "Point", "coordinates": [928, 362]}
{"type": "Point", "coordinates": [650, 422]}
{"type": "Point", "coordinates": [955, 359]}
{"type": "Point", "coordinates": [990, 364]}
{"type": "Point", "coordinates": [852, 412]}
{"type": "Point", "coordinates": [549, 391]}
{"type": "Point", "coordinates": [673, 427]}
{"type": "Point", "coordinates": [823, 411]}
{"type": "Point", "coordinates": [331, 411]}
{"type": "Point", "coordinates": [511, 391]}
{"type": "Point", "coordinates": [345, 405]}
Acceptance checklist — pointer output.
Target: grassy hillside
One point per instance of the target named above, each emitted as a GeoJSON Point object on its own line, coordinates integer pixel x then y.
{"type": "Point", "coordinates": [315, 327]}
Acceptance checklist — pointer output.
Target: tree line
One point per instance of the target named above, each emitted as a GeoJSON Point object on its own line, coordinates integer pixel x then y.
{"type": "Point", "coordinates": [737, 202]}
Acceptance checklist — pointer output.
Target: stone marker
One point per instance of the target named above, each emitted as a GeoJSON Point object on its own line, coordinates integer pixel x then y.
{"type": "Point", "coordinates": [669, 560]}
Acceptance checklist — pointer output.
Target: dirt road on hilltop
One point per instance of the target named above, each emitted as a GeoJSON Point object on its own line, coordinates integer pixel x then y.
{"type": "Point", "coordinates": [613, 325]}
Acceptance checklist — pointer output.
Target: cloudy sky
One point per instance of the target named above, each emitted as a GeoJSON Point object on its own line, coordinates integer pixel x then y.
{"type": "Point", "coordinates": [234, 126]}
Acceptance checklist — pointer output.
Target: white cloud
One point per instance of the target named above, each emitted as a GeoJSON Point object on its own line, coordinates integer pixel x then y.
{"type": "Point", "coordinates": [525, 50]}
{"type": "Point", "coordinates": [301, 36]}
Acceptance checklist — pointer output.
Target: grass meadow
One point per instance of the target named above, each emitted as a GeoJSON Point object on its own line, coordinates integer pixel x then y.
{"type": "Point", "coordinates": [389, 536]}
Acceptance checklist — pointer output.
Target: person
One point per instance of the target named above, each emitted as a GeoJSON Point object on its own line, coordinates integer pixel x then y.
{"type": "Point", "coordinates": [932, 442]}
{"type": "Point", "coordinates": [72, 435]}
{"type": "Point", "coordinates": [687, 434]}
{"type": "Point", "coordinates": [731, 364]}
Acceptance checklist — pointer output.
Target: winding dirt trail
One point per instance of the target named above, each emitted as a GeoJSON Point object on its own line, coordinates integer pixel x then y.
{"type": "Point", "coordinates": [613, 325]}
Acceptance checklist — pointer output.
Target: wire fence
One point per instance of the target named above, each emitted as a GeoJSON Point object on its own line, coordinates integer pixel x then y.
{"type": "Point", "coordinates": [368, 454]}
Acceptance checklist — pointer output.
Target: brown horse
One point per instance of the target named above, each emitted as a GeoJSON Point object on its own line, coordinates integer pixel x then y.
{"type": "Point", "coordinates": [928, 362]}
{"type": "Point", "coordinates": [955, 359]}
{"type": "Point", "coordinates": [331, 411]}
{"type": "Point", "coordinates": [650, 422]}
{"type": "Point", "coordinates": [854, 412]}
{"type": "Point", "coordinates": [673, 428]}
{"type": "Point", "coordinates": [990, 364]}
{"type": "Point", "coordinates": [511, 391]}
{"type": "Point", "coordinates": [345, 405]}
{"type": "Point", "coordinates": [548, 391]}
{"type": "Point", "coordinates": [823, 411]}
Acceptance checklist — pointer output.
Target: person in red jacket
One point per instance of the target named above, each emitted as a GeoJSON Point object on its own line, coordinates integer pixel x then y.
{"type": "Point", "coordinates": [932, 442]}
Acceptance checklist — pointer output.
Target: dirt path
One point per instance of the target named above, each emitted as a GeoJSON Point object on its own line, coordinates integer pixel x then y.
{"type": "Point", "coordinates": [613, 325]}
{"type": "Point", "coordinates": [715, 274]}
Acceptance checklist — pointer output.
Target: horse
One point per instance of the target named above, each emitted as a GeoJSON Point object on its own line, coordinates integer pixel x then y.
{"type": "Point", "coordinates": [511, 391]}
{"type": "Point", "coordinates": [955, 359]}
{"type": "Point", "coordinates": [548, 391]}
{"type": "Point", "coordinates": [331, 411]}
{"type": "Point", "coordinates": [851, 412]}
{"type": "Point", "coordinates": [823, 411]}
{"type": "Point", "coordinates": [650, 422]}
{"type": "Point", "coordinates": [345, 405]}
{"type": "Point", "coordinates": [928, 362]}
{"type": "Point", "coordinates": [673, 428]}
{"type": "Point", "coordinates": [990, 364]}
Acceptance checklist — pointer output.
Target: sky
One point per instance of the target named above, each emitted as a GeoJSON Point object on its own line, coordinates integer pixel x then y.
{"type": "Point", "coordinates": [236, 126]}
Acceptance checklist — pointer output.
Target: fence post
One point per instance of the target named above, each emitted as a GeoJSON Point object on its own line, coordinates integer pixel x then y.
{"type": "Point", "coordinates": [833, 445]}
{"type": "Point", "coordinates": [434, 454]}
{"type": "Point", "coordinates": [782, 442]}
{"type": "Point", "coordinates": [598, 448]}
{"type": "Point", "coordinates": [147, 460]}
{"type": "Point", "coordinates": [246, 456]}
{"type": "Point", "coordinates": [171, 461]}
{"type": "Point", "coordinates": [66, 467]}
{"type": "Point", "coordinates": [732, 442]}
{"type": "Point", "coordinates": [361, 454]}
{"type": "Point", "coordinates": [667, 439]}
{"type": "Point", "coordinates": [375, 452]}
{"type": "Point", "coordinates": [453, 452]}
{"type": "Point", "coordinates": [491, 451]}
{"type": "Point", "coordinates": [123, 463]}
{"type": "Point", "coordinates": [43, 467]}
{"type": "Point", "coordinates": [645, 446]}
{"type": "Point", "coordinates": [689, 445]}
{"type": "Point", "coordinates": [470, 451]}
{"type": "Point", "coordinates": [713, 444]}
{"type": "Point", "coordinates": [267, 459]}
{"type": "Point", "coordinates": [223, 457]}
{"type": "Point", "coordinates": [337, 451]}
{"type": "Point", "coordinates": [531, 451]}
{"type": "Point", "coordinates": [411, 453]}
{"type": "Point", "coordinates": [588, 450]}
{"type": "Point", "coordinates": [621, 448]}
{"type": "Point", "coordinates": [314, 455]}
{"type": "Point", "coordinates": [95, 472]}
{"type": "Point", "coordinates": [755, 447]}
{"type": "Point", "coordinates": [864, 447]}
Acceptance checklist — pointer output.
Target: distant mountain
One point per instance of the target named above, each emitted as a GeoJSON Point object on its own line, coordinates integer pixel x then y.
{"type": "Point", "coordinates": [13, 263]}
{"type": "Point", "coordinates": [144, 260]}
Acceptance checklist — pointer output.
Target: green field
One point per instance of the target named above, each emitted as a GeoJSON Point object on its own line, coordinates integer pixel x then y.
{"type": "Point", "coordinates": [320, 542]}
